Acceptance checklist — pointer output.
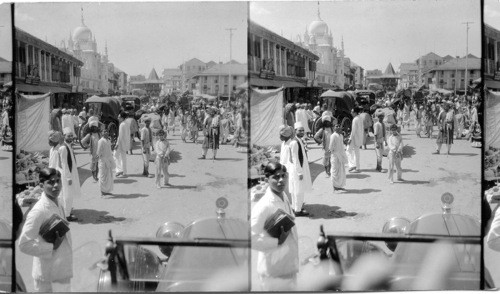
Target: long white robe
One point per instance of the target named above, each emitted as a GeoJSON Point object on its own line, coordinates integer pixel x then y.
{"type": "Point", "coordinates": [106, 165]}
{"type": "Point", "coordinates": [357, 138]}
{"type": "Point", "coordinates": [299, 187]}
{"type": "Point", "coordinates": [122, 146]}
{"type": "Point", "coordinates": [69, 192]}
{"type": "Point", "coordinates": [301, 116]}
{"type": "Point", "coordinates": [338, 160]}
{"type": "Point", "coordinates": [67, 122]}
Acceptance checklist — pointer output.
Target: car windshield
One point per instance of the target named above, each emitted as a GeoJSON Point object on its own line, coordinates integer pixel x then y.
{"type": "Point", "coordinates": [188, 268]}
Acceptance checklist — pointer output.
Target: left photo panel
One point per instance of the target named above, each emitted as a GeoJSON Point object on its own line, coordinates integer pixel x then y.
{"type": "Point", "coordinates": [6, 122]}
{"type": "Point", "coordinates": [131, 164]}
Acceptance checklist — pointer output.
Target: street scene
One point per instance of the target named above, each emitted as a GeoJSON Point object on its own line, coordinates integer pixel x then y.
{"type": "Point", "coordinates": [371, 146]}
{"type": "Point", "coordinates": [6, 149]}
{"type": "Point", "coordinates": [491, 149]}
{"type": "Point", "coordinates": [131, 164]}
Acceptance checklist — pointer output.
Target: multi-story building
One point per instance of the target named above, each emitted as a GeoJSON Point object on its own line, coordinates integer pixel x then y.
{"type": "Point", "coordinates": [98, 74]}
{"type": "Point", "coordinates": [42, 68]}
{"type": "Point", "coordinates": [408, 73]}
{"type": "Point", "coordinates": [5, 71]}
{"type": "Point", "coordinates": [172, 79]}
{"type": "Point", "coordinates": [358, 75]}
{"type": "Point", "coordinates": [152, 85]}
{"type": "Point", "coordinates": [222, 79]}
{"type": "Point", "coordinates": [388, 80]}
{"type": "Point", "coordinates": [318, 39]}
{"type": "Point", "coordinates": [451, 75]}
{"type": "Point", "coordinates": [427, 62]}
{"type": "Point", "coordinates": [491, 55]}
{"type": "Point", "coordinates": [274, 62]}
{"type": "Point", "coordinates": [122, 78]}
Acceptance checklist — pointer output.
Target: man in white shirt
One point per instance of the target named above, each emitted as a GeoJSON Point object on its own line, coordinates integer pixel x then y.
{"type": "Point", "coordinates": [355, 141]}
{"type": "Point", "coordinates": [278, 258]}
{"type": "Point", "coordinates": [493, 236]}
{"type": "Point", "coordinates": [122, 146]}
{"type": "Point", "coordinates": [300, 174]}
{"type": "Point", "coordinates": [52, 261]}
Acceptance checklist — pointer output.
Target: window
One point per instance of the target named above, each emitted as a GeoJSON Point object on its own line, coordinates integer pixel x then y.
{"type": "Point", "coordinates": [216, 81]}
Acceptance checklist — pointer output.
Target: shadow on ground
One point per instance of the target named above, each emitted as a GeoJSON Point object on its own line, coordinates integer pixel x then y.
{"type": "Point", "coordinates": [356, 176]}
{"type": "Point", "coordinates": [84, 174]}
{"type": "Point", "coordinates": [408, 151]}
{"type": "Point", "coordinates": [322, 211]}
{"type": "Point", "coordinates": [125, 196]}
{"type": "Point", "coordinates": [175, 156]}
{"type": "Point", "coordinates": [461, 154]}
{"type": "Point", "coordinates": [90, 216]}
{"type": "Point", "coordinates": [3, 158]}
{"type": "Point", "coordinates": [413, 182]}
{"type": "Point", "coordinates": [124, 181]}
{"type": "Point", "coordinates": [316, 169]}
{"type": "Point", "coordinates": [359, 191]}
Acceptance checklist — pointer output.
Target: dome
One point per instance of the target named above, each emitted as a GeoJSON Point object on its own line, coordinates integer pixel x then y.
{"type": "Point", "coordinates": [318, 28]}
{"type": "Point", "coordinates": [82, 33]}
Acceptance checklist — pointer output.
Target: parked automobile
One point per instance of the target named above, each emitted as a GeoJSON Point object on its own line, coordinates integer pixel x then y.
{"type": "Point", "coordinates": [406, 244]}
{"type": "Point", "coordinates": [180, 258]}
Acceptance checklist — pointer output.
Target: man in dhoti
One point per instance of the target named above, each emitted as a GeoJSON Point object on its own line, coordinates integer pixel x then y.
{"type": "Point", "coordinates": [300, 173]}
{"type": "Point", "coordinates": [69, 176]}
{"type": "Point", "coordinates": [355, 141]}
{"type": "Point", "coordinates": [338, 158]}
{"type": "Point", "coordinates": [106, 164]}
{"type": "Point", "coordinates": [122, 146]}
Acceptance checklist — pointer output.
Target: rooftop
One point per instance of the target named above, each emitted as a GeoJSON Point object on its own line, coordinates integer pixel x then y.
{"type": "Point", "coordinates": [459, 64]}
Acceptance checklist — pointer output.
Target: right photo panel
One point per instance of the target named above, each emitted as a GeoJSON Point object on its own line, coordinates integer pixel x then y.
{"type": "Point", "coordinates": [366, 143]}
{"type": "Point", "coordinates": [491, 69]}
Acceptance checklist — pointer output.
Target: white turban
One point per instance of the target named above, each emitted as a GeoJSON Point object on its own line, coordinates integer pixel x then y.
{"type": "Point", "coordinates": [67, 130]}
{"type": "Point", "coordinates": [298, 125]}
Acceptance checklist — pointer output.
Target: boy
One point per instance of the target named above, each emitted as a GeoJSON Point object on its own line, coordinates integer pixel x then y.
{"type": "Point", "coordinates": [395, 144]}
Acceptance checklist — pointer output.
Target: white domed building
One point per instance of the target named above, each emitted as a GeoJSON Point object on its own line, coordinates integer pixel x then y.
{"type": "Point", "coordinates": [318, 38]}
{"type": "Point", "coordinates": [96, 69]}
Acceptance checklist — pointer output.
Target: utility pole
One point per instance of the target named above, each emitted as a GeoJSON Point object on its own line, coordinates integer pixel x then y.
{"type": "Point", "coordinates": [230, 88]}
{"type": "Point", "coordinates": [466, 82]}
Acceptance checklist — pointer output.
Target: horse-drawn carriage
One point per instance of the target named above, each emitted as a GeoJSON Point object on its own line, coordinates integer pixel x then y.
{"type": "Point", "coordinates": [340, 104]}
{"type": "Point", "coordinates": [107, 109]}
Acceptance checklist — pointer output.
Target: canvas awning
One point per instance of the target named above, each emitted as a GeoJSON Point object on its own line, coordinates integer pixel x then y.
{"type": "Point", "coordinates": [258, 82]}
{"type": "Point", "coordinates": [27, 88]}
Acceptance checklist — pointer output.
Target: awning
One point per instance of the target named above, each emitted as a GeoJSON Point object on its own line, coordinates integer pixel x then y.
{"type": "Point", "coordinates": [27, 88]}
{"type": "Point", "coordinates": [258, 82]}
{"type": "Point", "coordinates": [491, 84]}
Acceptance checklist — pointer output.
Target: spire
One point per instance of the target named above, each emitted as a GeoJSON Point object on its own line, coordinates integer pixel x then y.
{"type": "Point", "coordinates": [106, 48]}
{"type": "Point", "coordinates": [342, 43]}
{"type": "Point", "coordinates": [319, 16]}
{"type": "Point", "coordinates": [83, 23]}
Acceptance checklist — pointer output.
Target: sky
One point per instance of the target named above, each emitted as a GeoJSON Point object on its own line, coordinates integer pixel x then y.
{"type": "Point", "coordinates": [5, 32]}
{"type": "Point", "coordinates": [141, 36]}
{"type": "Point", "coordinates": [492, 13]}
{"type": "Point", "coordinates": [378, 32]}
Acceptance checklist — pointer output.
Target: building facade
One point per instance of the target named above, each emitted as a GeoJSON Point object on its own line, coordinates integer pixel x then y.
{"type": "Point", "coordinates": [98, 75]}
{"type": "Point", "coordinates": [221, 80]}
{"type": "Point", "coordinates": [408, 73]}
{"type": "Point", "coordinates": [152, 86]}
{"type": "Point", "coordinates": [172, 79]}
{"type": "Point", "coordinates": [451, 75]}
{"type": "Point", "coordinates": [5, 71]}
{"type": "Point", "coordinates": [318, 39]}
{"type": "Point", "coordinates": [42, 67]}
{"type": "Point", "coordinates": [491, 56]}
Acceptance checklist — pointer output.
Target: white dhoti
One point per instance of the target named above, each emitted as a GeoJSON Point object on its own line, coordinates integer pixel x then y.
{"type": "Point", "coordinates": [120, 157]}
{"type": "Point", "coordinates": [338, 174]}
{"type": "Point", "coordinates": [353, 156]}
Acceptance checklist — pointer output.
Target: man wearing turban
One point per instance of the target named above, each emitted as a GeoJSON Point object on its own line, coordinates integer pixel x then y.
{"type": "Point", "coordinates": [300, 175]}
{"type": "Point", "coordinates": [55, 140]}
{"type": "Point", "coordinates": [69, 175]}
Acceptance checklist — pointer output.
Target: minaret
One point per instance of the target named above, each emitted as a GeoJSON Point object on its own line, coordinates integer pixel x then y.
{"type": "Point", "coordinates": [105, 56]}
{"type": "Point", "coordinates": [319, 16]}
{"type": "Point", "coordinates": [83, 23]}
{"type": "Point", "coordinates": [70, 42]}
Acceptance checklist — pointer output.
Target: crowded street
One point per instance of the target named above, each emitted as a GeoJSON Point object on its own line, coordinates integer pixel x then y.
{"type": "Point", "coordinates": [195, 187]}
{"type": "Point", "coordinates": [370, 200]}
